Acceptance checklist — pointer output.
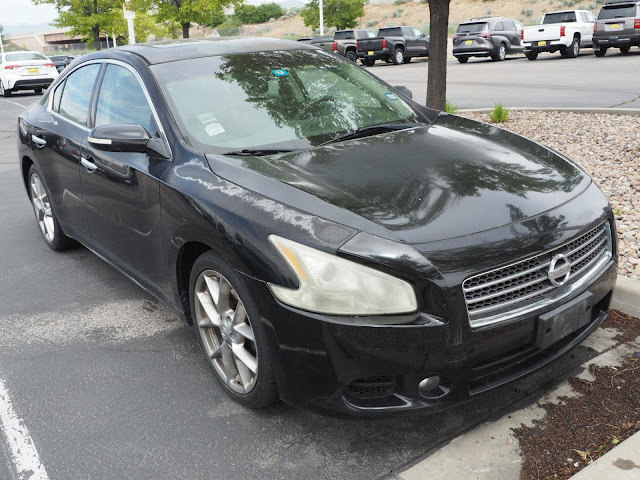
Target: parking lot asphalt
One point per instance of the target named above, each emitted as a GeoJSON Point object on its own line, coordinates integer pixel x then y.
{"type": "Point", "coordinates": [109, 384]}
{"type": "Point", "coordinates": [550, 81]}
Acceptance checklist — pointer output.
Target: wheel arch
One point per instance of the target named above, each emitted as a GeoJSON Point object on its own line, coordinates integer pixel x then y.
{"type": "Point", "coordinates": [187, 256]}
{"type": "Point", "coordinates": [25, 165]}
{"type": "Point", "coordinates": [577, 35]}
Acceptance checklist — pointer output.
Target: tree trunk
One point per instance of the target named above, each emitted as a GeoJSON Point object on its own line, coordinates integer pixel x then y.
{"type": "Point", "coordinates": [437, 76]}
{"type": "Point", "coordinates": [96, 37]}
{"type": "Point", "coordinates": [185, 29]}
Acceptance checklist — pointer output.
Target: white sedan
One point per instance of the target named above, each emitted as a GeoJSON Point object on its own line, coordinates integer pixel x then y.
{"type": "Point", "coordinates": [25, 71]}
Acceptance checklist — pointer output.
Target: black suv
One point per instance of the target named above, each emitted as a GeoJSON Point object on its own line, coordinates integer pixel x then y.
{"type": "Point", "coordinates": [618, 26]}
{"type": "Point", "coordinates": [487, 37]}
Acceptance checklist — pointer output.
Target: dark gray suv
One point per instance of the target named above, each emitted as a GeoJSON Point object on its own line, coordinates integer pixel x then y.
{"type": "Point", "coordinates": [618, 26]}
{"type": "Point", "coordinates": [493, 37]}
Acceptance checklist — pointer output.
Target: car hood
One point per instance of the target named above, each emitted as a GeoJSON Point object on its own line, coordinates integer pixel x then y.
{"type": "Point", "coordinates": [451, 178]}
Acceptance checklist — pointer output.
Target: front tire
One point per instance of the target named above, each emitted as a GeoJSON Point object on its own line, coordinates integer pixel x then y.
{"type": "Point", "coordinates": [50, 228]}
{"type": "Point", "coordinates": [368, 62]}
{"type": "Point", "coordinates": [532, 55]}
{"type": "Point", "coordinates": [398, 56]}
{"type": "Point", "coordinates": [625, 50]}
{"type": "Point", "coordinates": [501, 55]}
{"type": "Point", "coordinates": [407, 60]}
{"type": "Point", "coordinates": [463, 59]}
{"type": "Point", "coordinates": [227, 321]}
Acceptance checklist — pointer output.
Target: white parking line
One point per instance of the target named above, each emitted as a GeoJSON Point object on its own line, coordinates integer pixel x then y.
{"type": "Point", "coordinates": [15, 103]}
{"type": "Point", "coordinates": [24, 456]}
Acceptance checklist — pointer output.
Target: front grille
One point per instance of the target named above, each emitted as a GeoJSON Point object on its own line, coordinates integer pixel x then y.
{"type": "Point", "coordinates": [527, 281]}
{"type": "Point", "coordinates": [381, 386]}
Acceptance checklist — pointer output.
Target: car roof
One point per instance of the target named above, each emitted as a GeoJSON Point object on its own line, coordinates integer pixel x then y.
{"type": "Point", "coordinates": [173, 50]}
{"type": "Point", "coordinates": [487, 19]}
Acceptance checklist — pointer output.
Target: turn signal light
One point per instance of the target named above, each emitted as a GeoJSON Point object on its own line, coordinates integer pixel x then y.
{"type": "Point", "coordinates": [384, 43]}
{"type": "Point", "coordinates": [636, 24]}
{"type": "Point", "coordinates": [595, 27]}
{"type": "Point", "coordinates": [521, 34]}
{"type": "Point", "coordinates": [335, 46]}
{"type": "Point", "coordinates": [563, 30]}
{"type": "Point", "coordinates": [49, 64]}
{"type": "Point", "coordinates": [11, 67]}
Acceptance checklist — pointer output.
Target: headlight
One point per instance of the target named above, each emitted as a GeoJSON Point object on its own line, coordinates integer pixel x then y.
{"type": "Point", "coordinates": [330, 284]}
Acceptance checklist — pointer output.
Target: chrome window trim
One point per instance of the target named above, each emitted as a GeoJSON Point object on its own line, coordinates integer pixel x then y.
{"type": "Point", "coordinates": [120, 63]}
{"type": "Point", "coordinates": [561, 293]}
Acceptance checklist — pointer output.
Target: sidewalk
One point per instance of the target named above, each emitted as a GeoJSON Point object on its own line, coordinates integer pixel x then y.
{"type": "Point", "coordinates": [491, 452]}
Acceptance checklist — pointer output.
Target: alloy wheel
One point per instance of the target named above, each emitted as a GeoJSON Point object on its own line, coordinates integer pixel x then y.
{"type": "Point", "coordinates": [576, 48]}
{"type": "Point", "coordinates": [399, 56]}
{"type": "Point", "coordinates": [503, 52]}
{"type": "Point", "coordinates": [42, 208]}
{"type": "Point", "coordinates": [226, 332]}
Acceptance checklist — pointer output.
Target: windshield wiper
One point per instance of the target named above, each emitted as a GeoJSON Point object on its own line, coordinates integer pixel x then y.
{"type": "Point", "coordinates": [257, 152]}
{"type": "Point", "coordinates": [372, 130]}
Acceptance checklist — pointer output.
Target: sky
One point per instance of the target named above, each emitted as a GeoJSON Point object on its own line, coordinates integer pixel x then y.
{"type": "Point", "coordinates": [20, 12]}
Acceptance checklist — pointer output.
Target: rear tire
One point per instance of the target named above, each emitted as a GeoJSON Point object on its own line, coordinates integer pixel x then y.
{"type": "Point", "coordinates": [625, 50]}
{"type": "Point", "coordinates": [398, 56]}
{"type": "Point", "coordinates": [501, 55]}
{"type": "Point", "coordinates": [237, 345]}
{"type": "Point", "coordinates": [47, 220]}
{"type": "Point", "coordinates": [531, 55]}
{"type": "Point", "coordinates": [463, 59]}
{"type": "Point", "coordinates": [573, 50]}
{"type": "Point", "coordinates": [3, 91]}
{"type": "Point", "coordinates": [368, 62]}
{"type": "Point", "coordinates": [600, 51]}
{"type": "Point", "coordinates": [351, 55]}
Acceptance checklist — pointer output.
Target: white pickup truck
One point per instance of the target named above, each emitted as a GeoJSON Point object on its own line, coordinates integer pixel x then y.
{"type": "Point", "coordinates": [567, 31]}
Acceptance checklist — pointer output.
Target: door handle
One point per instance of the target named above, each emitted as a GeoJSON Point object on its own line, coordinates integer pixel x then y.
{"type": "Point", "coordinates": [40, 142]}
{"type": "Point", "coordinates": [88, 164]}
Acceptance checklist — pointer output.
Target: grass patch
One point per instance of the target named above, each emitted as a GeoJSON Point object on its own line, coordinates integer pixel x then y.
{"type": "Point", "coordinates": [499, 114]}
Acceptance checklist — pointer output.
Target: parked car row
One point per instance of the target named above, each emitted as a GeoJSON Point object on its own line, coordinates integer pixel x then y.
{"type": "Point", "coordinates": [30, 71]}
{"type": "Point", "coordinates": [567, 31]}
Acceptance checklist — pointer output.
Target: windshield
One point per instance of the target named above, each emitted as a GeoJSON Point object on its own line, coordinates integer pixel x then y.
{"type": "Point", "coordinates": [344, 35]}
{"type": "Point", "coordinates": [560, 17]}
{"type": "Point", "coordinates": [617, 11]}
{"type": "Point", "coordinates": [390, 32]}
{"type": "Point", "coordinates": [473, 27]}
{"type": "Point", "coordinates": [21, 56]}
{"type": "Point", "coordinates": [283, 99]}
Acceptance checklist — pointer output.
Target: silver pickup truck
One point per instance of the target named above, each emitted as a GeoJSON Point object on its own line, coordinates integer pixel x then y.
{"type": "Point", "coordinates": [343, 42]}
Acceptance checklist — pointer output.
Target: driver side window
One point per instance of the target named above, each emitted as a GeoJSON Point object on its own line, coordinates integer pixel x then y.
{"type": "Point", "coordinates": [122, 101]}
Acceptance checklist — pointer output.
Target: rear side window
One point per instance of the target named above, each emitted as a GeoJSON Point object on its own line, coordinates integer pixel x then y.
{"type": "Point", "coordinates": [76, 96]}
{"type": "Point", "coordinates": [122, 100]}
{"type": "Point", "coordinates": [498, 27]}
{"type": "Point", "coordinates": [348, 35]}
{"type": "Point", "coordinates": [623, 10]}
{"type": "Point", "coordinates": [509, 25]}
{"type": "Point", "coordinates": [390, 32]}
{"type": "Point", "coordinates": [560, 17]}
{"type": "Point", "coordinates": [473, 27]}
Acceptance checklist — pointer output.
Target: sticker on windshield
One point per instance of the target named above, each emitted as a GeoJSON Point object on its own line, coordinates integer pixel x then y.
{"type": "Point", "coordinates": [391, 96]}
{"type": "Point", "coordinates": [280, 72]}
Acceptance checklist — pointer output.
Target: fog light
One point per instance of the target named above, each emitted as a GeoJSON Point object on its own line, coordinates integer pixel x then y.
{"type": "Point", "coordinates": [433, 388]}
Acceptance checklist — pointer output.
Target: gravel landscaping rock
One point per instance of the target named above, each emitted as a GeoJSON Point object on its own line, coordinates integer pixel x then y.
{"type": "Point", "coordinates": [606, 146]}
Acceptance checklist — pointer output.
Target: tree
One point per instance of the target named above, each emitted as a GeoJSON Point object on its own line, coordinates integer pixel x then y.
{"type": "Point", "coordinates": [86, 17]}
{"type": "Point", "coordinates": [258, 14]}
{"type": "Point", "coordinates": [437, 76]}
{"type": "Point", "coordinates": [337, 13]}
{"type": "Point", "coordinates": [204, 12]}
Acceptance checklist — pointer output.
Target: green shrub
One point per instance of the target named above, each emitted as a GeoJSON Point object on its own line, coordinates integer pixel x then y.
{"type": "Point", "coordinates": [372, 23]}
{"type": "Point", "coordinates": [499, 114]}
{"type": "Point", "coordinates": [258, 14]}
{"type": "Point", "coordinates": [451, 108]}
{"type": "Point", "coordinates": [527, 12]}
{"type": "Point", "coordinates": [401, 2]}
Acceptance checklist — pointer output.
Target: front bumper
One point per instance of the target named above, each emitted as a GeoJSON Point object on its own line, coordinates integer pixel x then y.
{"type": "Point", "coordinates": [326, 364]}
{"type": "Point", "coordinates": [616, 41]}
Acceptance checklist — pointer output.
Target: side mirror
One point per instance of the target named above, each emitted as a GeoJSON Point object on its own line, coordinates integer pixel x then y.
{"type": "Point", "coordinates": [119, 138]}
{"type": "Point", "coordinates": [404, 91]}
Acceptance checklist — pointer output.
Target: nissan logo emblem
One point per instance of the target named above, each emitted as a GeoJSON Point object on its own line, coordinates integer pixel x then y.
{"type": "Point", "coordinates": [559, 270]}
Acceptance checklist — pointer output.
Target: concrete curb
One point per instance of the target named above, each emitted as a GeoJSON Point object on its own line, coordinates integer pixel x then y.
{"type": "Point", "coordinates": [609, 111]}
{"type": "Point", "coordinates": [626, 296]}
{"type": "Point", "coordinates": [621, 463]}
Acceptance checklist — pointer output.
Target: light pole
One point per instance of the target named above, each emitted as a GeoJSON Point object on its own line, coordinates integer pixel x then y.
{"type": "Point", "coordinates": [321, 18]}
{"type": "Point", "coordinates": [130, 17]}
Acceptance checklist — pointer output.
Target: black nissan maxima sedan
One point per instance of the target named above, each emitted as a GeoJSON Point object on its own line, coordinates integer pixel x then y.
{"type": "Point", "coordinates": [333, 243]}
